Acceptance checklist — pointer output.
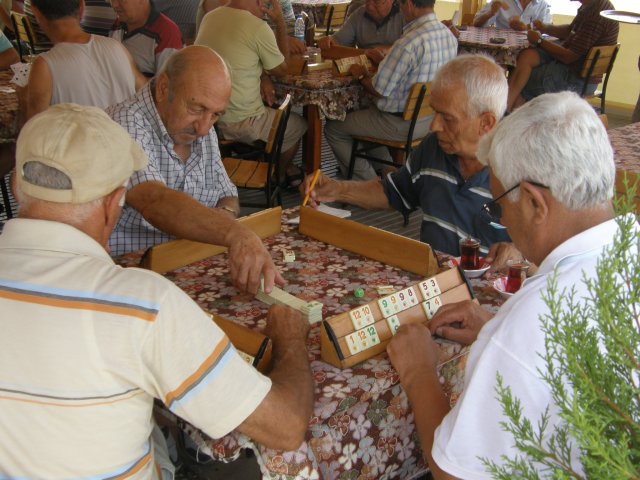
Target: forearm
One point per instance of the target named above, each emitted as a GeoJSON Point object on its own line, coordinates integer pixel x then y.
{"type": "Point", "coordinates": [558, 31]}
{"type": "Point", "coordinates": [232, 203]}
{"type": "Point", "coordinates": [430, 406]}
{"type": "Point", "coordinates": [282, 37]}
{"type": "Point", "coordinates": [482, 19]}
{"type": "Point", "coordinates": [282, 419]}
{"type": "Point", "coordinates": [368, 194]}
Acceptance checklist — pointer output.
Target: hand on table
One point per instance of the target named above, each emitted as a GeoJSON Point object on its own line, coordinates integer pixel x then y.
{"type": "Point", "coordinates": [533, 36]}
{"type": "Point", "coordinates": [248, 260]}
{"type": "Point", "coordinates": [357, 70]}
{"type": "Point", "coordinates": [324, 190]}
{"type": "Point", "coordinates": [376, 55]}
{"type": "Point", "coordinates": [296, 47]}
{"type": "Point", "coordinates": [325, 43]}
{"type": "Point", "coordinates": [459, 322]}
{"type": "Point", "coordinates": [267, 90]}
{"type": "Point", "coordinates": [412, 351]}
{"type": "Point", "coordinates": [515, 23]}
{"type": "Point", "coordinates": [499, 255]}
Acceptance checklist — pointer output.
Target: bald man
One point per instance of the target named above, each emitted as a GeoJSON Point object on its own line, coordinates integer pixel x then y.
{"type": "Point", "coordinates": [185, 192]}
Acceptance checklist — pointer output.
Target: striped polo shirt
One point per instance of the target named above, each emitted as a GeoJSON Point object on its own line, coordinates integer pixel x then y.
{"type": "Point", "coordinates": [451, 207]}
{"type": "Point", "coordinates": [85, 348]}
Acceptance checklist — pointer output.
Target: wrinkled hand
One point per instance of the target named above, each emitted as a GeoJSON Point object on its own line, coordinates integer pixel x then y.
{"type": "Point", "coordinates": [325, 190]}
{"type": "Point", "coordinates": [248, 260]}
{"type": "Point", "coordinates": [376, 55]}
{"type": "Point", "coordinates": [499, 255]}
{"type": "Point", "coordinates": [285, 325]}
{"type": "Point", "coordinates": [515, 23]}
{"type": "Point", "coordinates": [497, 5]}
{"type": "Point", "coordinates": [267, 90]}
{"type": "Point", "coordinates": [533, 36]}
{"type": "Point", "coordinates": [356, 70]}
{"type": "Point", "coordinates": [325, 43]}
{"type": "Point", "coordinates": [412, 351]}
{"type": "Point", "coordinates": [459, 322]}
{"type": "Point", "coordinates": [273, 10]}
{"type": "Point", "coordinates": [296, 47]}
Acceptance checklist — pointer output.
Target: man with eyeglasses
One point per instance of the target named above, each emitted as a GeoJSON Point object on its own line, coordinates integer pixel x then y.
{"type": "Point", "coordinates": [149, 35]}
{"type": "Point", "coordinates": [442, 176]}
{"type": "Point", "coordinates": [185, 192]}
{"type": "Point", "coordinates": [373, 26]}
{"type": "Point", "coordinates": [552, 174]}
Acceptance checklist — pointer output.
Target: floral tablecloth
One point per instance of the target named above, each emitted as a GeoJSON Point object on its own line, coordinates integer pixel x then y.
{"type": "Point", "coordinates": [362, 426]}
{"type": "Point", "coordinates": [477, 40]}
{"type": "Point", "coordinates": [626, 147]}
{"type": "Point", "coordinates": [8, 108]}
{"type": "Point", "coordinates": [335, 95]}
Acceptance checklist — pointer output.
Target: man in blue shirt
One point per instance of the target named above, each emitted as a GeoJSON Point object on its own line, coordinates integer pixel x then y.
{"type": "Point", "coordinates": [424, 47]}
{"type": "Point", "coordinates": [443, 177]}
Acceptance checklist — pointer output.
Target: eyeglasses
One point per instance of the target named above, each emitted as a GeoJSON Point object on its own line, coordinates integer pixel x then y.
{"type": "Point", "coordinates": [494, 210]}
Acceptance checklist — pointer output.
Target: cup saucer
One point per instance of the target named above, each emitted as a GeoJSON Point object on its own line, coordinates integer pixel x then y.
{"type": "Point", "coordinates": [454, 262]}
{"type": "Point", "coordinates": [500, 285]}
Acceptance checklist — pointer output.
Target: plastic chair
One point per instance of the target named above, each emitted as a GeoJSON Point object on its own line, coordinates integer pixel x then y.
{"type": "Point", "coordinates": [599, 62]}
{"type": "Point", "coordinates": [263, 174]}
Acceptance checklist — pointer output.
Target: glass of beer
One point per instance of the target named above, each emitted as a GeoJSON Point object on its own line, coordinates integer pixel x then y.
{"type": "Point", "coordinates": [469, 254]}
{"type": "Point", "coordinates": [517, 273]}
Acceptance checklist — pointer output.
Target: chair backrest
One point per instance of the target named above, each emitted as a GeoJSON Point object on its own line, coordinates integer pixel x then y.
{"type": "Point", "coordinates": [417, 106]}
{"type": "Point", "coordinates": [26, 34]}
{"type": "Point", "coordinates": [599, 60]}
{"type": "Point", "coordinates": [335, 17]}
{"type": "Point", "coordinates": [21, 33]}
{"type": "Point", "coordinates": [278, 127]}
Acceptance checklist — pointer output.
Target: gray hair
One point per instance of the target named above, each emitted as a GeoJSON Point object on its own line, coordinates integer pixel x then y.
{"type": "Point", "coordinates": [42, 175]}
{"type": "Point", "coordinates": [483, 80]}
{"type": "Point", "coordinates": [557, 140]}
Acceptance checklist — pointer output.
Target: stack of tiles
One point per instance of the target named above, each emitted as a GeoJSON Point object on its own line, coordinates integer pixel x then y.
{"type": "Point", "coordinates": [352, 337]}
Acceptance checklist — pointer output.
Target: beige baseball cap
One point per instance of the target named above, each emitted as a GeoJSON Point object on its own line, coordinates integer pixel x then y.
{"type": "Point", "coordinates": [96, 153]}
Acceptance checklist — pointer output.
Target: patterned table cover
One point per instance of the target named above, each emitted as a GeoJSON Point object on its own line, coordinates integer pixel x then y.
{"type": "Point", "coordinates": [335, 95]}
{"type": "Point", "coordinates": [8, 108]}
{"type": "Point", "coordinates": [626, 147]}
{"type": "Point", "coordinates": [476, 40]}
{"type": "Point", "coordinates": [362, 426]}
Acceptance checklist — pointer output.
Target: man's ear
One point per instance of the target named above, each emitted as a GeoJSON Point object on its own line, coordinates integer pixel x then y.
{"type": "Point", "coordinates": [488, 122]}
{"type": "Point", "coordinates": [162, 88]}
{"type": "Point", "coordinates": [535, 200]}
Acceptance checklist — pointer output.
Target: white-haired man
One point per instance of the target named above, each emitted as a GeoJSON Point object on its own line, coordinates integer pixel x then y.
{"type": "Point", "coordinates": [87, 346]}
{"type": "Point", "coordinates": [552, 177]}
{"type": "Point", "coordinates": [442, 177]}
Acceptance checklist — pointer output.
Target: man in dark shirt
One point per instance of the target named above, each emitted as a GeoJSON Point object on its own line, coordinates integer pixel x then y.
{"type": "Point", "coordinates": [552, 67]}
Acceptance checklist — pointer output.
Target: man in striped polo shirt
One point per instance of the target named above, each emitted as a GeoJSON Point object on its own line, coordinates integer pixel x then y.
{"type": "Point", "coordinates": [87, 346]}
{"type": "Point", "coordinates": [443, 177]}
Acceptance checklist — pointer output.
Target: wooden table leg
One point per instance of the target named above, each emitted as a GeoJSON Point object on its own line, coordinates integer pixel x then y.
{"type": "Point", "coordinates": [313, 138]}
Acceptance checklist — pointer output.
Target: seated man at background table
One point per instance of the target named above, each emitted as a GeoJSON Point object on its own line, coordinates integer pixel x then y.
{"type": "Point", "coordinates": [80, 68]}
{"type": "Point", "coordinates": [442, 176]}
{"type": "Point", "coordinates": [553, 67]}
{"type": "Point", "coordinates": [87, 346]}
{"type": "Point", "coordinates": [374, 26]}
{"type": "Point", "coordinates": [8, 54]}
{"type": "Point", "coordinates": [513, 14]}
{"type": "Point", "coordinates": [185, 192]}
{"type": "Point", "coordinates": [556, 140]}
{"type": "Point", "coordinates": [424, 47]}
{"type": "Point", "coordinates": [238, 33]}
{"type": "Point", "coordinates": [149, 35]}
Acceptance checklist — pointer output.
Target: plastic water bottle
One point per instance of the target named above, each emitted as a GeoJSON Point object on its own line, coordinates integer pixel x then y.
{"type": "Point", "coordinates": [298, 28]}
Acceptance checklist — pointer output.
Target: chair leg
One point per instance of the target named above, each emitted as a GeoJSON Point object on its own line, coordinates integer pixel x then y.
{"type": "Point", "coordinates": [352, 161]}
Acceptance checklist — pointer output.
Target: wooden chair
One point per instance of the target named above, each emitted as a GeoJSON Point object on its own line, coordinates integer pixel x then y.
{"type": "Point", "coordinates": [417, 107]}
{"type": "Point", "coordinates": [599, 62]}
{"type": "Point", "coordinates": [334, 18]}
{"type": "Point", "coordinates": [26, 36]}
{"type": "Point", "coordinates": [263, 174]}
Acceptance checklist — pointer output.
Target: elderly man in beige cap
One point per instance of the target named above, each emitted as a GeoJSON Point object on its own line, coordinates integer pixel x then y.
{"type": "Point", "coordinates": [87, 346]}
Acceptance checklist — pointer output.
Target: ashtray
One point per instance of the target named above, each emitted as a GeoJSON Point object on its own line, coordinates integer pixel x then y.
{"type": "Point", "coordinates": [497, 40]}
{"type": "Point", "coordinates": [454, 262]}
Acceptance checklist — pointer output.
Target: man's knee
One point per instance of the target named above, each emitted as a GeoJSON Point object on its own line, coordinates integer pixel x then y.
{"type": "Point", "coordinates": [529, 57]}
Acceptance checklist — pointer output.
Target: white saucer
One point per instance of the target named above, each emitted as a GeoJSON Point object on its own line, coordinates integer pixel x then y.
{"type": "Point", "coordinates": [500, 284]}
{"type": "Point", "coordinates": [454, 262]}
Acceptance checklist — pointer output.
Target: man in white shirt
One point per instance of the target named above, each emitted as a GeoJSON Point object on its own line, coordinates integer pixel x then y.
{"type": "Point", "coordinates": [513, 14]}
{"type": "Point", "coordinates": [552, 177]}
